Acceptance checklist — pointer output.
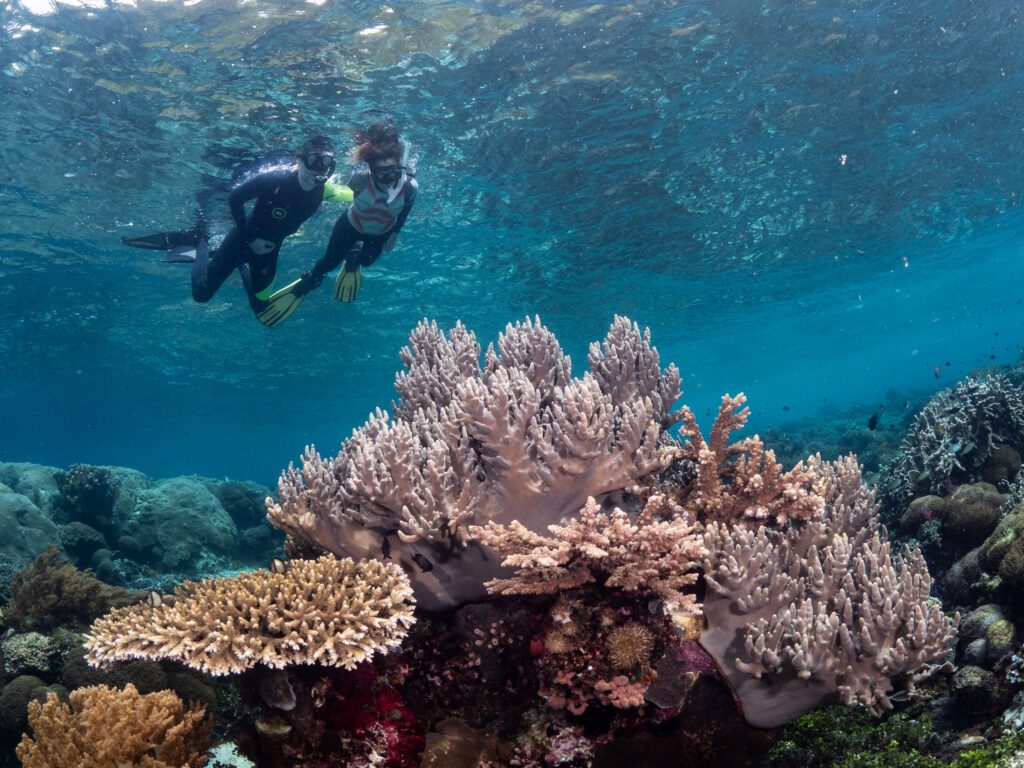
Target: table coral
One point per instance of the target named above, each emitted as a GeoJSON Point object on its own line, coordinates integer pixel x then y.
{"type": "Point", "coordinates": [326, 611]}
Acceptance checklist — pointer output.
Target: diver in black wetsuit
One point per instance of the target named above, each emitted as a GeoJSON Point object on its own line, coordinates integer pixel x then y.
{"type": "Point", "coordinates": [286, 195]}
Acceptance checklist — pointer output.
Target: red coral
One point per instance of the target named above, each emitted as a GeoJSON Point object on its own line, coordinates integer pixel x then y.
{"type": "Point", "coordinates": [372, 710]}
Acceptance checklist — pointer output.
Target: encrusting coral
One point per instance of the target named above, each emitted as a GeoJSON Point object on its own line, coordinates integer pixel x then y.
{"type": "Point", "coordinates": [109, 728]}
{"type": "Point", "coordinates": [471, 444]}
{"type": "Point", "coordinates": [326, 611]}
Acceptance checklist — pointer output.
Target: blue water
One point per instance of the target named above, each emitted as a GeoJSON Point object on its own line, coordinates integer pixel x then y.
{"type": "Point", "coordinates": [814, 203]}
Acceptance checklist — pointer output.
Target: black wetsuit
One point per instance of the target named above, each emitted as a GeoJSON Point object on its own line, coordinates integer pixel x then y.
{"type": "Point", "coordinates": [281, 207]}
{"type": "Point", "coordinates": [370, 219]}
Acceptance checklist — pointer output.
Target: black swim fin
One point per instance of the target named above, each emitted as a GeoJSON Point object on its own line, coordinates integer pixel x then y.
{"type": "Point", "coordinates": [182, 254]}
{"type": "Point", "coordinates": [165, 241]}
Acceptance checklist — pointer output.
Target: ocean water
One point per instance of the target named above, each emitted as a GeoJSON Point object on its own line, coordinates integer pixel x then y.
{"type": "Point", "coordinates": [816, 203]}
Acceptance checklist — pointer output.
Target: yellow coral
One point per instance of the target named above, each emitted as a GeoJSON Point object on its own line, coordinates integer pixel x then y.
{"type": "Point", "coordinates": [110, 728]}
{"type": "Point", "coordinates": [325, 611]}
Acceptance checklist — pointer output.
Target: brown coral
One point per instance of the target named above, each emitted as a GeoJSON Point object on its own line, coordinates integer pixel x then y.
{"type": "Point", "coordinates": [743, 480]}
{"type": "Point", "coordinates": [50, 592]}
{"type": "Point", "coordinates": [326, 611]}
{"type": "Point", "coordinates": [108, 728]}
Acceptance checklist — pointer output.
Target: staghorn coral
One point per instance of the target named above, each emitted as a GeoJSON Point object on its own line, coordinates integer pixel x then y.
{"type": "Point", "coordinates": [646, 555]}
{"type": "Point", "coordinates": [820, 610]}
{"type": "Point", "coordinates": [742, 480]}
{"type": "Point", "coordinates": [471, 444]}
{"type": "Point", "coordinates": [326, 611]}
{"type": "Point", "coordinates": [109, 728]}
{"type": "Point", "coordinates": [951, 439]}
{"type": "Point", "coordinates": [50, 592]}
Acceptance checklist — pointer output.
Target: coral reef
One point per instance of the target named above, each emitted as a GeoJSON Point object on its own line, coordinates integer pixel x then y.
{"type": "Point", "coordinates": [471, 444]}
{"type": "Point", "coordinates": [103, 727]}
{"type": "Point", "coordinates": [952, 438]}
{"type": "Point", "coordinates": [799, 615]}
{"type": "Point", "coordinates": [327, 611]}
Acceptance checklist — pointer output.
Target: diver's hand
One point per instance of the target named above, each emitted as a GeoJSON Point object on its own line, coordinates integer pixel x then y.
{"type": "Point", "coordinates": [390, 242]}
{"type": "Point", "coordinates": [261, 247]}
{"type": "Point", "coordinates": [308, 282]}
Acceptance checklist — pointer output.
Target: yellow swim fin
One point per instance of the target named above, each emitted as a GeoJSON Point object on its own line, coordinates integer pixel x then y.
{"type": "Point", "coordinates": [281, 304]}
{"type": "Point", "coordinates": [346, 287]}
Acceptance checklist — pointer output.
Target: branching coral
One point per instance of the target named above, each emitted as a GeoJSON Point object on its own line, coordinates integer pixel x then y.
{"type": "Point", "coordinates": [110, 728]}
{"type": "Point", "coordinates": [646, 555]}
{"type": "Point", "coordinates": [471, 444]}
{"type": "Point", "coordinates": [803, 614]}
{"type": "Point", "coordinates": [743, 480]}
{"type": "Point", "coordinates": [325, 611]}
{"type": "Point", "coordinates": [952, 436]}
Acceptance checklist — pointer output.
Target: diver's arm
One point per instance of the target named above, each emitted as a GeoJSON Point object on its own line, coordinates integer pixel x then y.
{"type": "Point", "coordinates": [410, 198]}
{"type": "Point", "coordinates": [237, 199]}
{"type": "Point", "coordinates": [336, 192]}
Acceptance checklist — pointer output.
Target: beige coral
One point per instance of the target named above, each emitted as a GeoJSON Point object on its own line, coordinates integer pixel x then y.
{"type": "Point", "coordinates": [645, 555]}
{"type": "Point", "coordinates": [109, 728]}
{"type": "Point", "coordinates": [326, 611]}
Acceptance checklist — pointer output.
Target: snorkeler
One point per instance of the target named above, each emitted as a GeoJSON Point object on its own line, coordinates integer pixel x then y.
{"type": "Point", "coordinates": [385, 190]}
{"type": "Point", "coordinates": [286, 195]}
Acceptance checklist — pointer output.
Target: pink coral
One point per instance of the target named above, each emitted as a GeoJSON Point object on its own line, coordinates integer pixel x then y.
{"type": "Point", "coordinates": [620, 692]}
{"type": "Point", "coordinates": [645, 555]}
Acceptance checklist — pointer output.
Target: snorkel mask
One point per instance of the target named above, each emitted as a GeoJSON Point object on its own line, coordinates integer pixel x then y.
{"type": "Point", "coordinates": [320, 164]}
{"type": "Point", "coordinates": [393, 178]}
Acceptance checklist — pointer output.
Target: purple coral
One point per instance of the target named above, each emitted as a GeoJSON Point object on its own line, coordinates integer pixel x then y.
{"type": "Point", "coordinates": [819, 611]}
{"type": "Point", "coordinates": [517, 437]}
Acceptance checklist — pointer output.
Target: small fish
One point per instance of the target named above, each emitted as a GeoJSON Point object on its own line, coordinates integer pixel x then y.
{"type": "Point", "coordinates": [424, 564]}
{"type": "Point", "coordinates": [785, 407]}
{"type": "Point", "coordinates": [873, 421]}
{"type": "Point", "coordinates": [906, 404]}
{"type": "Point", "coordinates": [277, 565]}
{"type": "Point", "coordinates": [938, 371]}
{"type": "Point", "coordinates": [154, 599]}
{"type": "Point", "coordinates": [385, 547]}
{"type": "Point", "coordinates": [991, 357]}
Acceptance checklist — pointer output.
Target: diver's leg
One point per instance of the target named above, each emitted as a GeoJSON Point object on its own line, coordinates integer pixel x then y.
{"type": "Point", "coordinates": [210, 270]}
{"type": "Point", "coordinates": [343, 237]}
{"type": "Point", "coordinates": [371, 250]}
{"type": "Point", "coordinates": [258, 278]}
